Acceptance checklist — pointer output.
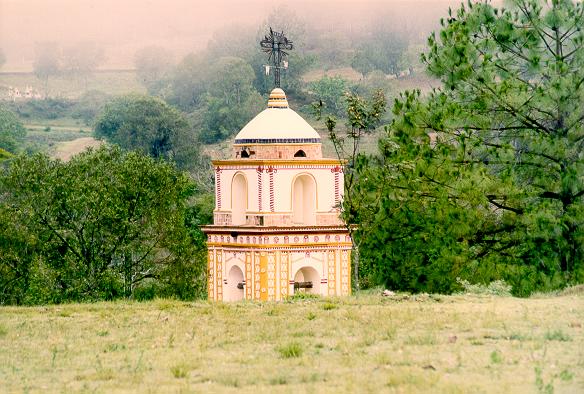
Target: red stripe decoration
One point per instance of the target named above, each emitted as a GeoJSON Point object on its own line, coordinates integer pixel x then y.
{"type": "Point", "coordinates": [271, 171]}
{"type": "Point", "coordinates": [259, 170]}
{"type": "Point", "coordinates": [337, 170]}
{"type": "Point", "coordinates": [218, 186]}
{"type": "Point", "coordinates": [337, 194]}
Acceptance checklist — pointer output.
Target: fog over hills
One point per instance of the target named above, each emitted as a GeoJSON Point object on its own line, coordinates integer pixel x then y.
{"type": "Point", "coordinates": [183, 26]}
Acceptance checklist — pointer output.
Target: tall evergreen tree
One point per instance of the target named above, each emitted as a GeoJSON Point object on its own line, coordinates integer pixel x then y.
{"type": "Point", "coordinates": [484, 178]}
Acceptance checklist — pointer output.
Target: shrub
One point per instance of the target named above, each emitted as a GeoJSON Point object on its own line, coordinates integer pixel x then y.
{"type": "Point", "coordinates": [495, 288]}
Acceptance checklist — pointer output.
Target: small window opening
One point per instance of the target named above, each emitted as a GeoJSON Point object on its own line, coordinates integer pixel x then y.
{"type": "Point", "coordinates": [279, 155]}
{"type": "Point", "coordinates": [244, 154]}
{"type": "Point", "coordinates": [300, 153]}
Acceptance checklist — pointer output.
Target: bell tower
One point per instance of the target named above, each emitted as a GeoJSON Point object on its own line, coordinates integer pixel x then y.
{"type": "Point", "coordinates": [276, 227]}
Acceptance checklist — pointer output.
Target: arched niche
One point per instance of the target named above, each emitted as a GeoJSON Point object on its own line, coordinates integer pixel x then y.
{"type": "Point", "coordinates": [238, 199]}
{"type": "Point", "coordinates": [233, 292]}
{"type": "Point", "coordinates": [300, 153]}
{"type": "Point", "coordinates": [307, 280]}
{"type": "Point", "coordinates": [304, 200]}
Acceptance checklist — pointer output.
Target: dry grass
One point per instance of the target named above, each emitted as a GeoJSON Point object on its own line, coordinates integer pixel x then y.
{"type": "Point", "coordinates": [66, 150]}
{"type": "Point", "coordinates": [362, 344]}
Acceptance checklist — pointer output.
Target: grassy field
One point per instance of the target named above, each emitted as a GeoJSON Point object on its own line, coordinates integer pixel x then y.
{"type": "Point", "coordinates": [365, 343]}
{"type": "Point", "coordinates": [60, 138]}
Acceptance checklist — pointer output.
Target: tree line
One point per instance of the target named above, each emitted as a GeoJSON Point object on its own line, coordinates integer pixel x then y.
{"type": "Point", "coordinates": [479, 180]}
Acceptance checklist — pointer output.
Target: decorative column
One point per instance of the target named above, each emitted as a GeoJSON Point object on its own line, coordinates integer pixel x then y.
{"type": "Point", "coordinates": [218, 186]}
{"type": "Point", "coordinates": [337, 171]}
{"type": "Point", "coordinates": [271, 170]}
{"type": "Point", "coordinates": [259, 171]}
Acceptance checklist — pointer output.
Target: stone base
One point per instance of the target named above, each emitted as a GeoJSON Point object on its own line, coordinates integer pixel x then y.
{"type": "Point", "coordinates": [260, 263]}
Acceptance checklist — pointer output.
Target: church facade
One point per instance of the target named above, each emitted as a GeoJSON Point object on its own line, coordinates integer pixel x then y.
{"type": "Point", "coordinates": [276, 228]}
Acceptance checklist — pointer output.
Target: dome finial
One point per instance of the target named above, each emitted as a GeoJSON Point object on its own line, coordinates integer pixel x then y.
{"type": "Point", "coordinates": [277, 99]}
{"type": "Point", "coordinates": [275, 45]}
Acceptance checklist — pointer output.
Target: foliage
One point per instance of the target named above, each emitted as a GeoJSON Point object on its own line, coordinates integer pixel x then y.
{"type": "Point", "coordinates": [89, 106]}
{"type": "Point", "coordinates": [382, 50]}
{"type": "Point", "coordinates": [149, 125]}
{"type": "Point", "coordinates": [152, 65]}
{"type": "Point", "coordinates": [47, 62]}
{"type": "Point", "coordinates": [219, 94]}
{"type": "Point", "coordinates": [363, 116]}
{"type": "Point", "coordinates": [331, 91]}
{"type": "Point", "coordinates": [82, 59]}
{"type": "Point", "coordinates": [483, 179]}
{"type": "Point", "coordinates": [12, 132]}
{"type": "Point", "coordinates": [104, 225]}
{"type": "Point", "coordinates": [4, 155]}
{"type": "Point", "coordinates": [48, 108]}
{"type": "Point", "coordinates": [495, 288]}
{"type": "Point", "coordinates": [188, 82]}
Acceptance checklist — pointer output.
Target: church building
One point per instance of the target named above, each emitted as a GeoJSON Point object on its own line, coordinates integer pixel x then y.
{"type": "Point", "coordinates": [277, 229]}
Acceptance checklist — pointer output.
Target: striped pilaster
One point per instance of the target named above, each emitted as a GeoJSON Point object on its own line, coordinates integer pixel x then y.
{"type": "Point", "coordinates": [271, 171]}
{"type": "Point", "coordinates": [260, 170]}
{"type": "Point", "coordinates": [218, 186]}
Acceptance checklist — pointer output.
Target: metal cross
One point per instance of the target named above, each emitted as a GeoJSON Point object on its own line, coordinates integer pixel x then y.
{"type": "Point", "coordinates": [276, 44]}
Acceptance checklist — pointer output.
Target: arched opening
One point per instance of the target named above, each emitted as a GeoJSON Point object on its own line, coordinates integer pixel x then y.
{"type": "Point", "coordinates": [300, 153]}
{"type": "Point", "coordinates": [304, 200]}
{"type": "Point", "coordinates": [307, 280]}
{"type": "Point", "coordinates": [234, 288]}
{"type": "Point", "coordinates": [244, 154]}
{"type": "Point", "coordinates": [238, 199]}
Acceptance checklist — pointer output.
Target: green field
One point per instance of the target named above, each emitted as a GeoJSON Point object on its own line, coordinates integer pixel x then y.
{"type": "Point", "coordinates": [365, 343]}
{"type": "Point", "coordinates": [52, 136]}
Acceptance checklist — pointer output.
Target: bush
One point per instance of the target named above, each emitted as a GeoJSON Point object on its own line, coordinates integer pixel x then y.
{"type": "Point", "coordinates": [105, 225]}
{"type": "Point", "coordinates": [495, 288]}
{"type": "Point", "coordinates": [49, 108]}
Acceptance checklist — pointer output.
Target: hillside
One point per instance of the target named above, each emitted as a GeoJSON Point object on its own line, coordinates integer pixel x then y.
{"type": "Point", "coordinates": [365, 343]}
{"type": "Point", "coordinates": [113, 82]}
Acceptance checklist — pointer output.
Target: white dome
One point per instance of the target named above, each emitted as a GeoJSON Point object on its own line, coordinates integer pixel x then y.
{"type": "Point", "coordinates": [277, 124]}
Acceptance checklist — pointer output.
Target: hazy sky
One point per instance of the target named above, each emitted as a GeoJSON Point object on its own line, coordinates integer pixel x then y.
{"type": "Point", "coordinates": [123, 26]}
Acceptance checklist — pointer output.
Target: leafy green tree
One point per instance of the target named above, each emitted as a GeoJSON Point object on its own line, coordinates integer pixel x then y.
{"type": "Point", "coordinates": [359, 203]}
{"type": "Point", "coordinates": [151, 126]}
{"type": "Point", "coordinates": [362, 61]}
{"type": "Point", "coordinates": [484, 178]}
{"type": "Point", "coordinates": [152, 64]}
{"type": "Point", "coordinates": [331, 91]}
{"type": "Point", "coordinates": [230, 101]}
{"type": "Point", "coordinates": [47, 62]}
{"type": "Point", "coordinates": [189, 81]}
{"type": "Point", "coordinates": [82, 59]}
{"type": "Point", "coordinates": [382, 50]}
{"type": "Point", "coordinates": [89, 106]}
{"type": "Point", "coordinates": [106, 224]}
{"type": "Point", "coordinates": [12, 132]}
{"type": "Point", "coordinates": [47, 108]}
